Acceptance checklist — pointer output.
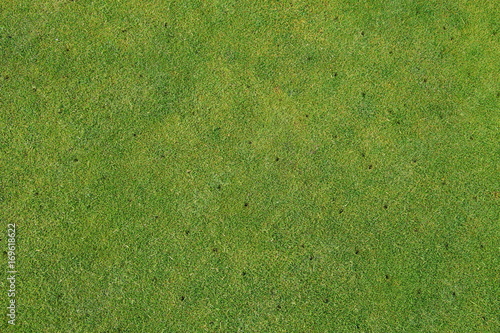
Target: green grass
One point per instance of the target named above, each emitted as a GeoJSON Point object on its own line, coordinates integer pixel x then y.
{"type": "Point", "coordinates": [251, 166]}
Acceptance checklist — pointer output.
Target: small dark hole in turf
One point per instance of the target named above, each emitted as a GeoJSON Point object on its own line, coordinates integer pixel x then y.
{"type": "Point", "coordinates": [278, 307]}
{"type": "Point", "coordinates": [326, 300]}
{"type": "Point", "coordinates": [8, 77]}
{"type": "Point", "coordinates": [483, 318]}
{"type": "Point", "coordinates": [370, 166]}
{"type": "Point", "coordinates": [471, 138]}
{"type": "Point", "coordinates": [277, 159]}
{"type": "Point", "coordinates": [243, 273]}
{"type": "Point", "coordinates": [311, 257]}
{"type": "Point", "coordinates": [341, 211]}
{"type": "Point", "coordinates": [135, 134]}
{"type": "Point", "coordinates": [182, 298]}
{"type": "Point", "coordinates": [419, 291]}
{"type": "Point", "coordinates": [249, 142]}
{"type": "Point", "coordinates": [444, 28]}
{"type": "Point", "coordinates": [187, 232]}
{"type": "Point", "coordinates": [385, 206]}
{"type": "Point", "coordinates": [414, 160]}
{"type": "Point", "coordinates": [451, 38]}
{"type": "Point", "coordinates": [363, 155]}
{"type": "Point", "coordinates": [215, 250]}
{"type": "Point", "coordinates": [246, 204]}
{"type": "Point", "coordinates": [336, 18]}
{"type": "Point", "coordinates": [357, 326]}
{"type": "Point", "coordinates": [307, 116]}
{"type": "Point", "coordinates": [363, 94]}
{"type": "Point", "coordinates": [453, 294]}
{"type": "Point", "coordinates": [335, 74]}
{"type": "Point", "coordinates": [425, 80]}
{"type": "Point", "coordinates": [390, 52]}
{"type": "Point", "coordinates": [36, 193]}
{"type": "Point", "coordinates": [481, 246]}
{"type": "Point", "coordinates": [362, 33]}
{"type": "Point", "coordinates": [218, 187]}
{"type": "Point", "coordinates": [157, 217]}
{"type": "Point", "coordinates": [357, 251]}
{"type": "Point", "coordinates": [88, 206]}
{"type": "Point", "coordinates": [75, 160]}
{"type": "Point", "coordinates": [67, 49]}
{"type": "Point", "coordinates": [302, 245]}
{"type": "Point", "coordinates": [387, 277]}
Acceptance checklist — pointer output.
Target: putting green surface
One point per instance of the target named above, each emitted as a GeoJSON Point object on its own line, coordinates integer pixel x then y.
{"type": "Point", "coordinates": [251, 166]}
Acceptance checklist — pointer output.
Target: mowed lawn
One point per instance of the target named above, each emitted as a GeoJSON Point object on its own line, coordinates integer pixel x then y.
{"type": "Point", "coordinates": [251, 166]}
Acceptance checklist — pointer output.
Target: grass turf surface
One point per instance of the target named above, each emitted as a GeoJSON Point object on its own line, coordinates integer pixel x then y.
{"type": "Point", "coordinates": [252, 166]}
